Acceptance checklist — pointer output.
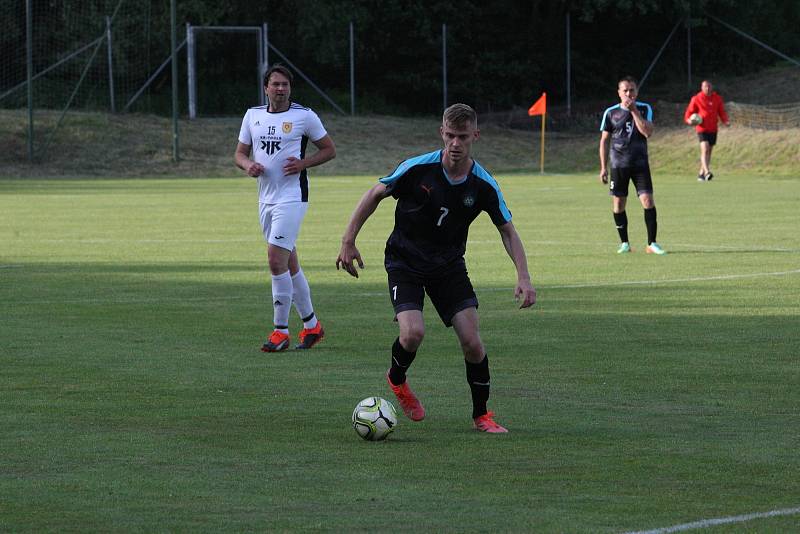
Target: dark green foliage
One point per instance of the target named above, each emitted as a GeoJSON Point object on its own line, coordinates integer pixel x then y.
{"type": "Point", "coordinates": [500, 54]}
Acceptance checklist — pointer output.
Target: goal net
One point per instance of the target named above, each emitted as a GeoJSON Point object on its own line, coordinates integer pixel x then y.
{"type": "Point", "coordinates": [771, 117]}
{"type": "Point", "coordinates": [225, 65]}
{"type": "Point", "coordinates": [84, 57]}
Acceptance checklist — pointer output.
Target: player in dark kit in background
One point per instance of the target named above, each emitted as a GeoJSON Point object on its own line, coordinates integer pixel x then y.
{"type": "Point", "coordinates": [438, 196]}
{"type": "Point", "coordinates": [708, 104]}
{"type": "Point", "coordinates": [626, 127]}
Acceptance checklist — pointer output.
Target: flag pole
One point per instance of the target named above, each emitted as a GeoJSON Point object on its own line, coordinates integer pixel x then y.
{"type": "Point", "coordinates": [541, 157]}
{"type": "Point", "coordinates": [540, 108]}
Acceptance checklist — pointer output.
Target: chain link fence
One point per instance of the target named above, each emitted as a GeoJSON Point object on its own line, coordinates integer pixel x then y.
{"type": "Point", "coordinates": [90, 64]}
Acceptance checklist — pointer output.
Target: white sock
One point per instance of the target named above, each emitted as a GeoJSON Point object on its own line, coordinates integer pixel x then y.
{"type": "Point", "coordinates": [301, 296]}
{"type": "Point", "coordinates": [281, 300]}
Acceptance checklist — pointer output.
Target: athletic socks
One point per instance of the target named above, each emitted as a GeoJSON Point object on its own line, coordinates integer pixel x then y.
{"type": "Point", "coordinates": [652, 225]}
{"type": "Point", "coordinates": [621, 220]}
{"type": "Point", "coordinates": [477, 376]}
{"type": "Point", "coordinates": [401, 361]}
{"type": "Point", "coordinates": [281, 300]}
{"type": "Point", "coordinates": [478, 380]}
{"type": "Point", "coordinates": [301, 297]}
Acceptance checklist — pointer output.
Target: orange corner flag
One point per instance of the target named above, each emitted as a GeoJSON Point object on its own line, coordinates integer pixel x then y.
{"type": "Point", "coordinates": [539, 107]}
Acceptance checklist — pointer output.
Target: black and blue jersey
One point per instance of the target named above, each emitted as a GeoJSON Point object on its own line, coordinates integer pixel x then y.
{"type": "Point", "coordinates": [628, 145]}
{"type": "Point", "coordinates": [433, 214]}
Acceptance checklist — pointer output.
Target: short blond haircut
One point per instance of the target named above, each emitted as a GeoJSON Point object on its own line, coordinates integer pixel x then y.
{"type": "Point", "coordinates": [459, 116]}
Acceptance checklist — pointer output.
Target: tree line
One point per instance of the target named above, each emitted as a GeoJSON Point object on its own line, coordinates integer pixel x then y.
{"type": "Point", "coordinates": [500, 54]}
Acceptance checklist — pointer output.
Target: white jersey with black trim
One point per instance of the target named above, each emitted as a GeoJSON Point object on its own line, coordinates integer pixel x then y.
{"type": "Point", "coordinates": [275, 137]}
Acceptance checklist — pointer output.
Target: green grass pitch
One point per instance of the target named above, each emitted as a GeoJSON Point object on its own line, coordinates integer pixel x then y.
{"type": "Point", "coordinates": [640, 391]}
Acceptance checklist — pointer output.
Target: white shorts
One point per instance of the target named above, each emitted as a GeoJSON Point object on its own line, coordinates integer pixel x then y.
{"type": "Point", "coordinates": [281, 222]}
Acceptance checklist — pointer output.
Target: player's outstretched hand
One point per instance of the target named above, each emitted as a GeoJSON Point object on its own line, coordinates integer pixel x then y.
{"type": "Point", "coordinates": [349, 254]}
{"type": "Point", "coordinates": [526, 293]}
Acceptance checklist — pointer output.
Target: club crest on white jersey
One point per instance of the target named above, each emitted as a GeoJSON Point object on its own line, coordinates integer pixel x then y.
{"type": "Point", "coordinates": [276, 137]}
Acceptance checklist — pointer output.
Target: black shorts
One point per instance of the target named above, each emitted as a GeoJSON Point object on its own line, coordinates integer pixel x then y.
{"type": "Point", "coordinates": [640, 176]}
{"type": "Point", "coordinates": [450, 292]}
{"type": "Point", "coordinates": [711, 137]}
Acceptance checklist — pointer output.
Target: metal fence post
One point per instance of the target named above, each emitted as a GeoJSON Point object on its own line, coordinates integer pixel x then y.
{"type": "Point", "coordinates": [174, 42]}
{"type": "Point", "coordinates": [444, 66]}
{"type": "Point", "coordinates": [689, 48]}
{"type": "Point", "coordinates": [569, 70]}
{"type": "Point", "coordinates": [265, 65]}
{"type": "Point", "coordinates": [110, 66]}
{"type": "Point", "coordinates": [352, 71]}
{"type": "Point", "coordinates": [266, 45]}
{"type": "Point", "coordinates": [260, 68]}
{"type": "Point", "coordinates": [191, 75]}
{"type": "Point", "coordinates": [29, 60]}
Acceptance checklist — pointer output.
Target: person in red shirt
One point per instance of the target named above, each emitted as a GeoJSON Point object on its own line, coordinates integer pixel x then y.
{"type": "Point", "coordinates": [708, 104]}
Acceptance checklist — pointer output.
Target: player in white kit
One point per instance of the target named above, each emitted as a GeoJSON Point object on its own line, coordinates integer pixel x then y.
{"type": "Point", "coordinates": [277, 135]}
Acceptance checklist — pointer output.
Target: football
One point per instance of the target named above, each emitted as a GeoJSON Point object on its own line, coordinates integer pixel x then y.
{"type": "Point", "coordinates": [695, 119]}
{"type": "Point", "coordinates": [374, 418]}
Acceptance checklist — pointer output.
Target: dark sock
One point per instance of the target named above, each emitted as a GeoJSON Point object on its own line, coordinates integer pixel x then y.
{"type": "Point", "coordinates": [401, 361]}
{"type": "Point", "coordinates": [621, 220]}
{"type": "Point", "coordinates": [652, 225]}
{"type": "Point", "coordinates": [478, 380]}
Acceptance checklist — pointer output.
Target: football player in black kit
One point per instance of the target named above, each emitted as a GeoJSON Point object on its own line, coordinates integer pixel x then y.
{"type": "Point", "coordinates": [626, 127]}
{"type": "Point", "coordinates": [438, 195]}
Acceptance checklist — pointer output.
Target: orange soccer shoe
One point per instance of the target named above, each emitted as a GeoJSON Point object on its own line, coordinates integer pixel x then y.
{"type": "Point", "coordinates": [310, 336]}
{"type": "Point", "coordinates": [409, 402]}
{"type": "Point", "coordinates": [277, 342]}
{"type": "Point", "coordinates": [486, 423]}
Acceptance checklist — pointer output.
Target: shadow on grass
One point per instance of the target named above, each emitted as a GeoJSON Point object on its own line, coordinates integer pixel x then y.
{"type": "Point", "coordinates": [165, 396]}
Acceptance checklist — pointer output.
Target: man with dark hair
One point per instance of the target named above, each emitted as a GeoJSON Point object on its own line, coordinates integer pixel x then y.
{"type": "Point", "coordinates": [708, 105]}
{"type": "Point", "coordinates": [277, 135]}
{"type": "Point", "coordinates": [626, 127]}
{"type": "Point", "coordinates": [438, 195]}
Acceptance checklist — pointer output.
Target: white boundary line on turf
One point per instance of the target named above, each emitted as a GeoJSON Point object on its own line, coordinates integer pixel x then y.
{"type": "Point", "coordinates": [677, 280]}
{"type": "Point", "coordinates": [719, 521]}
{"type": "Point", "coordinates": [636, 282]}
{"type": "Point", "coordinates": [734, 248]}
{"type": "Point", "coordinates": [381, 293]}
{"type": "Point", "coordinates": [101, 240]}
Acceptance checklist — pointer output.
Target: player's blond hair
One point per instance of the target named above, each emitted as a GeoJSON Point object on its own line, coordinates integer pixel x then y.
{"type": "Point", "coordinates": [460, 115]}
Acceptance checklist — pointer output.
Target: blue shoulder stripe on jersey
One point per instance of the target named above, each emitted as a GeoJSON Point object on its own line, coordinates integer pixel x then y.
{"type": "Point", "coordinates": [431, 157]}
{"type": "Point", "coordinates": [649, 115]}
{"type": "Point", "coordinates": [605, 114]}
{"type": "Point", "coordinates": [484, 175]}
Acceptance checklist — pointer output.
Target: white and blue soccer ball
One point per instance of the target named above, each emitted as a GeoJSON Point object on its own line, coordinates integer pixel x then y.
{"type": "Point", "coordinates": [374, 418]}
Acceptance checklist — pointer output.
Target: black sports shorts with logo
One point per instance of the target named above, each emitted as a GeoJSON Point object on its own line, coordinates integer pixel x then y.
{"type": "Point", "coordinates": [711, 137]}
{"type": "Point", "coordinates": [450, 291]}
{"type": "Point", "coordinates": [620, 177]}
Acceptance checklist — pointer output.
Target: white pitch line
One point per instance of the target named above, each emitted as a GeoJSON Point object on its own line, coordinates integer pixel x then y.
{"type": "Point", "coordinates": [134, 300]}
{"type": "Point", "coordinates": [636, 282]}
{"type": "Point", "coordinates": [734, 248]}
{"type": "Point", "coordinates": [705, 523]}
{"type": "Point", "coordinates": [113, 241]}
{"type": "Point", "coordinates": [678, 280]}
{"type": "Point", "coordinates": [381, 293]}
{"type": "Point", "coordinates": [100, 240]}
